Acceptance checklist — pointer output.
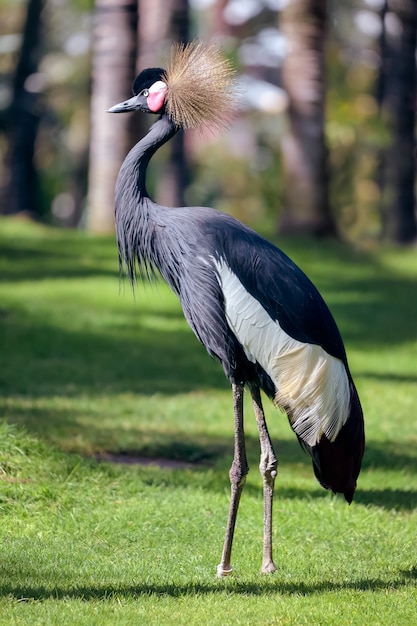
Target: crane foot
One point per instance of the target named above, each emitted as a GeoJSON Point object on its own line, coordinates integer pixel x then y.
{"type": "Point", "coordinates": [268, 568]}
{"type": "Point", "coordinates": [221, 573]}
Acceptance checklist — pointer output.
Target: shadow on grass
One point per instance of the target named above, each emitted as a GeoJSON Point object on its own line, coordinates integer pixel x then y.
{"type": "Point", "coordinates": [65, 255]}
{"type": "Point", "coordinates": [271, 585]}
{"type": "Point", "coordinates": [389, 499]}
{"type": "Point", "coordinates": [47, 360]}
{"type": "Point", "coordinates": [216, 453]}
{"type": "Point", "coordinates": [388, 377]}
{"type": "Point", "coordinates": [122, 354]}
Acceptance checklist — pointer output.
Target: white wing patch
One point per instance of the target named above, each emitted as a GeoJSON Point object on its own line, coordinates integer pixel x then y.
{"type": "Point", "coordinates": [312, 385]}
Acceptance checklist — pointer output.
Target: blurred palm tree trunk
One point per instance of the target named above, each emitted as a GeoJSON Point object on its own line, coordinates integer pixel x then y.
{"type": "Point", "coordinates": [20, 191]}
{"type": "Point", "coordinates": [305, 158]}
{"type": "Point", "coordinates": [397, 98]}
{"type": "Point", "coordinates": [113, 71]}
{"type": "Point", "coordinates": [153, 31]}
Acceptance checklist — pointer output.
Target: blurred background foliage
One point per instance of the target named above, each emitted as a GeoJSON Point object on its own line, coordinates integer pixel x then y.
{"type": "Point", "coordinates": [54, 80]}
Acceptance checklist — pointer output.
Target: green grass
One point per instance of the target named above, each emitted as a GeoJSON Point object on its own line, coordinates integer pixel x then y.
{"type": "Point", "coordinates": [86, 370]}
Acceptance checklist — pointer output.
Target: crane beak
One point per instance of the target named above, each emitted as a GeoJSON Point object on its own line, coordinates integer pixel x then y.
{"type": "Point", "coordinates": [124, 107]}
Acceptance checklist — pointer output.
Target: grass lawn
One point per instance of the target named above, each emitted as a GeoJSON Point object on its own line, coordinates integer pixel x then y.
{"type": "Point", "coordinates": [87, 371]}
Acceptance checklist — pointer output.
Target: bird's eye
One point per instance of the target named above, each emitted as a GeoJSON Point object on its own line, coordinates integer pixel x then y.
{"type": "Point", "coordinates": [144, 93]}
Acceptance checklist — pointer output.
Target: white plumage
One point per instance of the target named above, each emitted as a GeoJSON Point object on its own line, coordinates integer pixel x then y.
{"type": "Point", "coordinates": [313, 386]}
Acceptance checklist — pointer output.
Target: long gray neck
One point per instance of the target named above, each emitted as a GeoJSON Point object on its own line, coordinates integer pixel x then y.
{"type": "Point", "coordinates": [134, 224]}
{"type": "Point", "coordinates": [131, 180]}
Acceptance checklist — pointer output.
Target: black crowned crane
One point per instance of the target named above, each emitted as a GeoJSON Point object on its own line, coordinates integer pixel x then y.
{"type": "Point", "coordinates": [246, 301]}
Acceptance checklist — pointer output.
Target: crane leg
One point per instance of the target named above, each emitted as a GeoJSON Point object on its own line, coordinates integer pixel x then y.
{"type": "Point", "coordinates": [268, 467]}
{"type": "Point", "coordinates": [237, 474]}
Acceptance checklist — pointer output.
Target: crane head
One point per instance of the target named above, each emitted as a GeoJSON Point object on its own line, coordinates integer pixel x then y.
{"type": "Point", "coordinates": [195, 91]}
{"type": "Point", "coordinates": [149, 91]}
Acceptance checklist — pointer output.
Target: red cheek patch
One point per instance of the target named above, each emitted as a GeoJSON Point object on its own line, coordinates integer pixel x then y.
{"type": "Point", "coordinates": [156, 97]}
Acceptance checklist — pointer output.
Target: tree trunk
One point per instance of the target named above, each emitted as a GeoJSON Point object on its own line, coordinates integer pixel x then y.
{"type": "Point", "coordinates": [305, 157]}
{"type": "Point", "coordinates": [113, 71]}
{"type": "Point", "coordinates": [398, 90]}
{"type": "Point", "coordinates": [20, 191]}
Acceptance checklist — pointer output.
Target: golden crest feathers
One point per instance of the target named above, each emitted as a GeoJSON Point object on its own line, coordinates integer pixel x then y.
{"type": "Point", "coordinates": [200, 86]}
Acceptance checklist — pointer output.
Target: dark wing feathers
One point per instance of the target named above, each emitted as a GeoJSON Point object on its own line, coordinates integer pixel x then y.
{"type": "Point", "coordinates": [276, 282]}
{"type": "Point", "coordinates": [266, 272]}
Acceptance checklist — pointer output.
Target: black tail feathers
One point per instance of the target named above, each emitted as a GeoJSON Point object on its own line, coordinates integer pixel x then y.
{"type": "Point", "coordinates": [337, 464]}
